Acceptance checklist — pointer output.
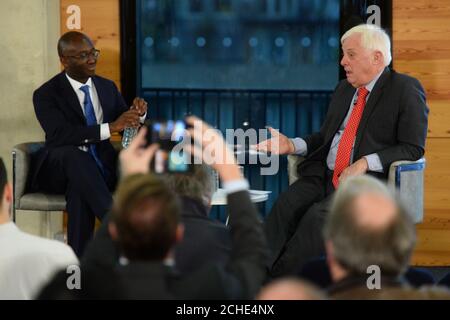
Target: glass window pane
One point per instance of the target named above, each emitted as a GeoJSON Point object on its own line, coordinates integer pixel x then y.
{"type": "Point", "coordinates": [242, 44]}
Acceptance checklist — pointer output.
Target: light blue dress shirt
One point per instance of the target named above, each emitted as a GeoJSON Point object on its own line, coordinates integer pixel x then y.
{"type": "Point", "coordinates": [373, 159]}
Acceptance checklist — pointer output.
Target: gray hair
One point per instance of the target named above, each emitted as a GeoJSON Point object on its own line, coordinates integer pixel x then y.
{"type": "Point", "coordinates": [197, 184]}
{"type": "Point", "coordinates": [372, 38]}
{"type": "Point", "coordinates": [356, 247]}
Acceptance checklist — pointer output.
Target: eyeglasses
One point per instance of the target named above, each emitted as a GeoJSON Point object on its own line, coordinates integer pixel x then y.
{"type": "Point", "coordinates": [85, 55]}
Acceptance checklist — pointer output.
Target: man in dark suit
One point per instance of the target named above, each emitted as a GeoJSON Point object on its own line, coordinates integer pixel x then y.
{"type": "Point", "coordinates": [78, 112]}
{"type": "Point", "coordinates": [204, 240]}
{"type": "Point", "coordinates": [145, 223]}
{"type": "Point", "coordinates": [376, 116]}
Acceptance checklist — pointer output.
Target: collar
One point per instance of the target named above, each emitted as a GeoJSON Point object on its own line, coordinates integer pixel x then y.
{"type": "Point", "coordinates": [76, 85]}
{"type": "Point", "coordinates": [8, 227]}
{"type": "Point", "coordinates": [372, 83]}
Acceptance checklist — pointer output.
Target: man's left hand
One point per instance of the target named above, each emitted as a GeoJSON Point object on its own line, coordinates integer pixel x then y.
{"type": "Point", "coordinates": [358, 168]}
{"type": "Point", "coordinates": [140, 105]}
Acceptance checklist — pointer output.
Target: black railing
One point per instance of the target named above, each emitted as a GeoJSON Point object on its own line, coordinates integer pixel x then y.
{"type": "Point", "coordinates": [294, 113]}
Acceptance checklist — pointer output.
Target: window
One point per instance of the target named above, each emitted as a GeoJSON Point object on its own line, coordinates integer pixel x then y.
{"type": "Point", "coordinates": [245, 44]}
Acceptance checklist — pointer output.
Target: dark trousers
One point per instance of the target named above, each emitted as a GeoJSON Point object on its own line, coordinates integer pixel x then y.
{"type": "Point", "coordinates": [294, 225]}
{"type": "Point", "coordinates": [73, 172]}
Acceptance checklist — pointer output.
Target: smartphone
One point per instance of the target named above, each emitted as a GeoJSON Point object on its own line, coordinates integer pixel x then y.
{"type": "Point", "coordinates": [171, 156]}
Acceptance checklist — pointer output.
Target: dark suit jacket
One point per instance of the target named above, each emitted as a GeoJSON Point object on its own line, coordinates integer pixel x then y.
{"type": "Point", "coordinates": [393, 125]}
{"type": "Point", "coordinates": [59, 112]}
{"type": "Point", "coordinates": [240, 278]}
{"type": "Point", "coordinates": [204, 241]}
{"type": "Point", "coordinates": [355, 288]}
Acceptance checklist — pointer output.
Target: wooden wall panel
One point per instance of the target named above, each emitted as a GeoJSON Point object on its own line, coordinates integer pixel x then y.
{"type": "Point", "coordinates": [421, 46]}
{"type": "Point", "coordinates": [100, 20]}
{"type": "Point", "coordinates": [439, 119]}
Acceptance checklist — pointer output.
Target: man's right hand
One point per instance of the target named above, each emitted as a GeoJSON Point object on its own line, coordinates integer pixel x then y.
{"type": "Point", "coordinates": [136, 158]}
{"type": "Point", "coordinates": [212, 149]}
{"type": "Point", "coordinates": [129, 118]}
{"type": "Point", "coordinates": [278, 144]}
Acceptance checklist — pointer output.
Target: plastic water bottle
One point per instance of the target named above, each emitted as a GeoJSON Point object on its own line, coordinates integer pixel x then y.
{"type": "Point", "coordinates": [128, 135]}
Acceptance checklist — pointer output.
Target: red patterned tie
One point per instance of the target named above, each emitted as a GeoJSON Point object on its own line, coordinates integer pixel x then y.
{"type": "Point", "coordinates": [348, 137]}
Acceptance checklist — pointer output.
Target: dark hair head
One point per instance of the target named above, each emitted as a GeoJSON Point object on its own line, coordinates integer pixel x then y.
{"type": "Point", "coordinates": [68, 38]}
{"type": "Point", "coordinates": [146, 214]}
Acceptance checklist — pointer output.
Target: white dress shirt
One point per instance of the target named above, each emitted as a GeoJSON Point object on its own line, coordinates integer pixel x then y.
{"type": "Point", "coordinates": [104, 127]}
{"type": "Point", "coordinates": [28, 262]}
{"type": "Point", "coordinates": [76, 85]}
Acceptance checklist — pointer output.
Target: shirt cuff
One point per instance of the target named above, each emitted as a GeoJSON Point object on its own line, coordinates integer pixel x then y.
{"type": "Point", "coordinates": [300, 146]}
{"type": "Point", "coordinates": [142, 118]}
{"type": "Point", "coordinates": [104, 131]}
{"type": "Point", "coordinates": [235, 186]}
{"type": "Point", "coordinates": [374, 162]}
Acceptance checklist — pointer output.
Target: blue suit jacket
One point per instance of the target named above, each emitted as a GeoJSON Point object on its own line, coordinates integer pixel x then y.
{"type": "Point", "coordinates": [59, 112]}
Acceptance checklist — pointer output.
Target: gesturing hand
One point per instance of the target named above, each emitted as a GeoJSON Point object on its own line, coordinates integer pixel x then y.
{"type": "Point", "coordinates": [278, 144]}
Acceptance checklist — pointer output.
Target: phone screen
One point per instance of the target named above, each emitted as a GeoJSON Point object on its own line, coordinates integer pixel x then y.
{"type": "Point", "coordinates": [170, 135]}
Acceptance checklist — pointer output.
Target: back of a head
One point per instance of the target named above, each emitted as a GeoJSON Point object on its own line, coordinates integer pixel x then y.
{"type": "Point", "coordinates": [146, 215]}
{"type": "Point", "coordinates": [3, 180]}
{"type": "Point", "coordinates": [197, 184]}
{"type": "Point", "coordinates": [367, 226]}
{"type": "Point", "coordinates": [290, 289]}
{"type": "Point", "coordinates": [372, 38]}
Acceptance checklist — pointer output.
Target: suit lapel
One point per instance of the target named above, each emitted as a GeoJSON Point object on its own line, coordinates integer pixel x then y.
{"type": "Point", "coordinates": [70, 96]}
{"type": "Point", "coordinates": [375, 95]}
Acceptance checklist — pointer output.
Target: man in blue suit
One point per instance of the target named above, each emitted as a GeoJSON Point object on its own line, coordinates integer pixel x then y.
{"type": "Point", "coordinates": [78, 112]}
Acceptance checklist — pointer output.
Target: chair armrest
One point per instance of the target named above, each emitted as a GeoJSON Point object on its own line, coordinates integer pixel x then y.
{"type": "Point", "coordinates": [21, 166]}
{"type": "Point", "coordinates": [293, 162]}
{"type": "Point", "coordinates": [406, 177]}
{"type": "Point", "coordinates": [397, 167]}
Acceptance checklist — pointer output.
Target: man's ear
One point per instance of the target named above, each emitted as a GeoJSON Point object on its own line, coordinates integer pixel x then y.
{"type": "Point", "coordinates": [112, 228]}
{"type": "Point", "coordinates": [8, 193]}
{"type": "Point", "coordinates": [179, 233]}
{"type": "Point", "coordinates": [378, 58]}
{"type": "Point", "coordinates": [63, 61]}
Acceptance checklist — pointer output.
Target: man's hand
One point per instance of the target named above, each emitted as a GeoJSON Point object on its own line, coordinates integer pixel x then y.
{"type": "Point", "coordinates": [129, 118]}
{"type": "Point", "coordinates": [210, 147]}
{"type": "Point", "coordinates": [136, 158]}
{"type": "Point", "coordinates": [140, 105]}
{"type": "Point", "coordinates": [358, 168]}
{"type": "Point", "coordinates": [278, 144]}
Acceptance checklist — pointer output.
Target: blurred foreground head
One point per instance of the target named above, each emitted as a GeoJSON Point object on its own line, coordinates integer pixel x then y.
{"type": "Point", "coordinates": [145, 218]}
{"type": "Point", "coordinates": [367, 226]}
{"type": "Point", "coordinates": [290, 289]}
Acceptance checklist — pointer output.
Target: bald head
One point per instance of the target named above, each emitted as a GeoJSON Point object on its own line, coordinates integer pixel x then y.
{"type": "Point", "coordinates": [367, 226]}
{"type": "Point", "coordinates": [374, 210]}
{"type": "Point", "coordinates": [290, 289]}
